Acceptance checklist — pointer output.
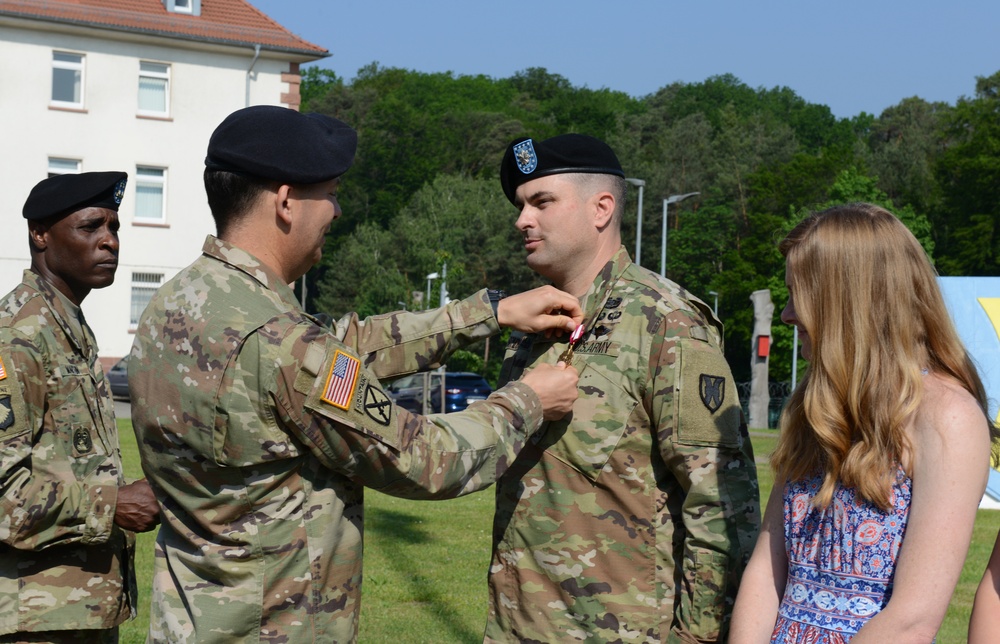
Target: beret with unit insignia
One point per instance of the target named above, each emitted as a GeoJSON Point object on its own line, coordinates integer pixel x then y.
{"type": "Point", "coordinates": [280, 144]}
{"type": "Point", "coordinates": [526, 159]}
{"type": "Point", "coordinates": [66, 193]}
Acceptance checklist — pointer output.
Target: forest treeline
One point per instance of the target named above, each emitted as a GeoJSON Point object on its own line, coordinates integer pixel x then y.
{"type": "Point", "coordinates": [424, 190]}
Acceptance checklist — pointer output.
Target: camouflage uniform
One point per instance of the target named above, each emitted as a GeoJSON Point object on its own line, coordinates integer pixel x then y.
{"type": "Point", "coordinates": [632, 519]}
{"type": "Point", "coordinates": [64, 564]}
{"type": "Point", "coordinates": [258, 429]}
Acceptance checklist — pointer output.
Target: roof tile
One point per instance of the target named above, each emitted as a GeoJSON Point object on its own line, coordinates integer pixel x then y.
{"type": "Point", "coordinates": [233, 21]}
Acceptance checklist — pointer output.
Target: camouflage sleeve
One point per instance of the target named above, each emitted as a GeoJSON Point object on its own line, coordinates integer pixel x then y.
{"type": "Point", "coordinates": [401, 343]}
{"type": "Point", "coordinates": [337, 408]}
{"type": "Point", "coordinates": [46, 498]}
{"type": "Point", "coordinates": [696, 412]}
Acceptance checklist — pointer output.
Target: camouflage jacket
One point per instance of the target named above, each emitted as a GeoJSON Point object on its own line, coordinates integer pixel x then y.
{"type": "Point", "coordinates": [258, 429]}
{"type": "Point", "coordinates": [632, 519]}
{"type": "Point", "coordinates": [64, 564]}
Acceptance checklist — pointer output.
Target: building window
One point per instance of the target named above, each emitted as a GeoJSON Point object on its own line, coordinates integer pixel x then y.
{"type": "Point", "coordinates": [154, 89]}
{"type": "Point", "coordinates": [150, 191]}
{"type": "Point", "coordinates": [63, 166]}
{"type": "Point", "coordinates": [144, 286]}
{"type": "Point", "coordinates": [67, 79]}
{"type": "Point", "coordinates": [192, 7]}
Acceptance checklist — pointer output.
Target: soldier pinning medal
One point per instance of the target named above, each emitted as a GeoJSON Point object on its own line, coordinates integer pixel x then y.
{"type": "Point", "coordinates": [259, 425]}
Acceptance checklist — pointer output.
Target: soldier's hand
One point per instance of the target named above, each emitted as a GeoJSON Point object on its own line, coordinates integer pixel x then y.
{"type": "Point", "coordinates": [555, 386]}
{"type": "Point", "coordinates": [137, 509]}
{"type": "Point", "coordinates": [541, 309]}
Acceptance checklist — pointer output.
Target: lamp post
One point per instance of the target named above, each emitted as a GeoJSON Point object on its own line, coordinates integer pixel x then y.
{"type": "Point", "coordinates": [663, 242]}
{"type": "Point", "coordinates": [715, 309]}
{"type": "Point", "coordinates": [638, 221]}
{"type": "Point", "coordinates": [427, 301]}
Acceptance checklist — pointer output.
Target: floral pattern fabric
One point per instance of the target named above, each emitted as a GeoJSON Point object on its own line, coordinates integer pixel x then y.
{"type": "Point", "coordinates": [841, 561]}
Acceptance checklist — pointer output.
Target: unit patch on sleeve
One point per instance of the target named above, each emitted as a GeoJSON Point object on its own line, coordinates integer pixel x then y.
{"type": "Point", "coordinates": [342, 379]}
{"type": "Point", "coordinates": [713, 391]}
{"type": "Point", "coordinates": [377, 405]}
{"type": "Point", "coordinates": [6, 413]}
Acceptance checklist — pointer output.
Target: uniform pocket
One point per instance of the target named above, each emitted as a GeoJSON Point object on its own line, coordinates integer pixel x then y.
{"type": "Point", "coordinates": [587, 439]}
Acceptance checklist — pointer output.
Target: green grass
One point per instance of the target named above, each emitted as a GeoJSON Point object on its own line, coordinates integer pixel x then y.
{"type": "Point", "coordinates": [426, 563]}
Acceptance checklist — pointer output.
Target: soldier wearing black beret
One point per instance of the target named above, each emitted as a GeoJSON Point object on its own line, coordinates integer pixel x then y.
{"type": "Point", "coordinates": [260, 426]}
{"type": "Point", "coordinates": [68, 513]}
{"type": "Point", "coordinates": [649, 507]}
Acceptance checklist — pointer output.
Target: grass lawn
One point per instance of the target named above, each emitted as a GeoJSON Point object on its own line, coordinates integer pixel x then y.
{"type": "Point", "coordinates": [426, 562]}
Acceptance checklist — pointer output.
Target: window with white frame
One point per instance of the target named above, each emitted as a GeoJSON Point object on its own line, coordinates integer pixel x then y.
{"type": "Point", "coordinates": [144, 286]}
{"type": "Point", "coordinates": [59, 166]}
{"type": "Point", "coordinates": [154, 89]}
{"type": "Point", "coordinates": [67, 79]}
{"type": "Point", "coordinates": [192, 7]}
{"type": "Point", "coordinates": [150, 195]}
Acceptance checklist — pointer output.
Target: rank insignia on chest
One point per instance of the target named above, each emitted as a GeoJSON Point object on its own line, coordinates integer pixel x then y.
{"type": "Point", "coordinates": [82, 442]}
{"type": "Point", "coordinates": [3, 370]}
{"type": "Point", "coordinates": [341, 381]}
{"type": "Point", "coordinates": [713, 391]}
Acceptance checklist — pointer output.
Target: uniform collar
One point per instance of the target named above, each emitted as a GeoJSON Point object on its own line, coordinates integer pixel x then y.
{"type": "Point", "coordinates": [66, 314]}
{"type": "Point", "coordinates": [597, 295]}
{"type": "Point", "coordinates": [244, 262]}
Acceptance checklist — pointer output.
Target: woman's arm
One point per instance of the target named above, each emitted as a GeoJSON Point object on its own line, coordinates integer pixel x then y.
{"type": "Point", "coordinates": [950, 450]}
{"type": "Point", "coordinates": [763, 582]}
{"type": "Point", "coordinates": [984, 626]}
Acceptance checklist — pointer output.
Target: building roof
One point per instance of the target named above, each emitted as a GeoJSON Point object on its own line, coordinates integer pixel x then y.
{"type": "Point", "coordinates": [221, 21]}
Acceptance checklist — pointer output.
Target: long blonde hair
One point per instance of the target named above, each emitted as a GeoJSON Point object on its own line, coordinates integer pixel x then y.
{"type": "Point", "coordinates": [867, 295]}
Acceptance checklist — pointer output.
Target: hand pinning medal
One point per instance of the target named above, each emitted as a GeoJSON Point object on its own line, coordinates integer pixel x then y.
{"type": "Point", "coordinates": [574, 339]}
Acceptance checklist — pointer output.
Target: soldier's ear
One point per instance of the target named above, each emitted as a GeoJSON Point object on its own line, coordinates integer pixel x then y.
{"type": "Point", "coordinates": [604, 209]}
{"type": "Point", "coordinates": [283, 205]}
{"type": "Point", "coordinates": [38, 235]}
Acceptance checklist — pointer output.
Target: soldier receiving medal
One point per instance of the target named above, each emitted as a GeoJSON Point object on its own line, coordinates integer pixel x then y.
{"type": "Point", "coordinates": [632, 518]}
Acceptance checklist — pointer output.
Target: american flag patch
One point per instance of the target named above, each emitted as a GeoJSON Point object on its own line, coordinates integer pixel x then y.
{"type": "Point", "coordinates": [340, 383]}
{"type": "Point", "coordinates": [3, 372]}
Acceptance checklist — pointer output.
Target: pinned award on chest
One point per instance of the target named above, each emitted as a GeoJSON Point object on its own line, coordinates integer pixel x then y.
{"type": "Point", "coordinates": [574, 340]}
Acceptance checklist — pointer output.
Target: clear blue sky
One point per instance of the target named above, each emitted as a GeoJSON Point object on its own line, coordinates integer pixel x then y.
{"type": "Point", "coordinates": [852, 55]}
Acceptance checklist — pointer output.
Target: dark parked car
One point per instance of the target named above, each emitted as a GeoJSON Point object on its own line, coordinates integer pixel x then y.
{"type": "Point", "coordinates": [118, 379]}
{"type": "Point", "coordinates": [460, 389]}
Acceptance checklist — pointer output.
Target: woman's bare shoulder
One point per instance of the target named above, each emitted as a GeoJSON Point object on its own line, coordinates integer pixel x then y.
{"type": "Point", "coordinates": [949, 413]}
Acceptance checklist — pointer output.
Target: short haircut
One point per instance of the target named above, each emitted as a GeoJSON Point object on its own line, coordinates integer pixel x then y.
{"type": "Point", "coordinates": [590, 183]}
{"type": "Point", "coordinates": [231, 196]}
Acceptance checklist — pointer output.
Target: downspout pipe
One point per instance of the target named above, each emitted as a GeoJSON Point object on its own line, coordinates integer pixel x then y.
{"type": "Point", "coordinates": [256, 55]}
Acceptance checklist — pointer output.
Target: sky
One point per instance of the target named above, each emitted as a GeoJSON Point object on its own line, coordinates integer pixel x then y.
{"type": "Point", "coordinates": [852, 55]}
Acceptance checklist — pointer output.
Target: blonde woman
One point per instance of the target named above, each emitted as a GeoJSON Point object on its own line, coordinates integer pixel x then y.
{"type": "Point", "coordinates": [884, 445]}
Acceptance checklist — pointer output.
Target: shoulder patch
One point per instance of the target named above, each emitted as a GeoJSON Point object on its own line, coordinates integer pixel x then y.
{"type": "Point", "coordinates": [6, 413]}
{"type": "Point", "coordinates": [341, 381]}
{"type": "Point", "coordinates": [713, 391]}
{"type": "Point", "coordinates": [378, 407]}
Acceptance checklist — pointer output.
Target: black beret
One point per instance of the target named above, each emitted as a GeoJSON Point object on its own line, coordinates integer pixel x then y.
{"type": "Point", "coordinates": [67, 193]}
{"type": "Point", "coordinates": [526, 159]}
{"type": "Point", "coordinates": [280, 144]}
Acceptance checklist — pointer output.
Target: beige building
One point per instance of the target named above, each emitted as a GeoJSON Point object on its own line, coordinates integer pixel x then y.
{"type": "Point", "coordinates": [138, 86]}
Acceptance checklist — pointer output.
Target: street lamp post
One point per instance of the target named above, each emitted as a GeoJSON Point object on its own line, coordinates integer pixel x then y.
{"type": "Point", "coordinates": [663, 242]}
{"type": "Point", "coordinates": [427, 301]}
{"type": "Point", "coordinates": [715, 309]}
{"type": "Point", "coordinates": [638, 221]}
